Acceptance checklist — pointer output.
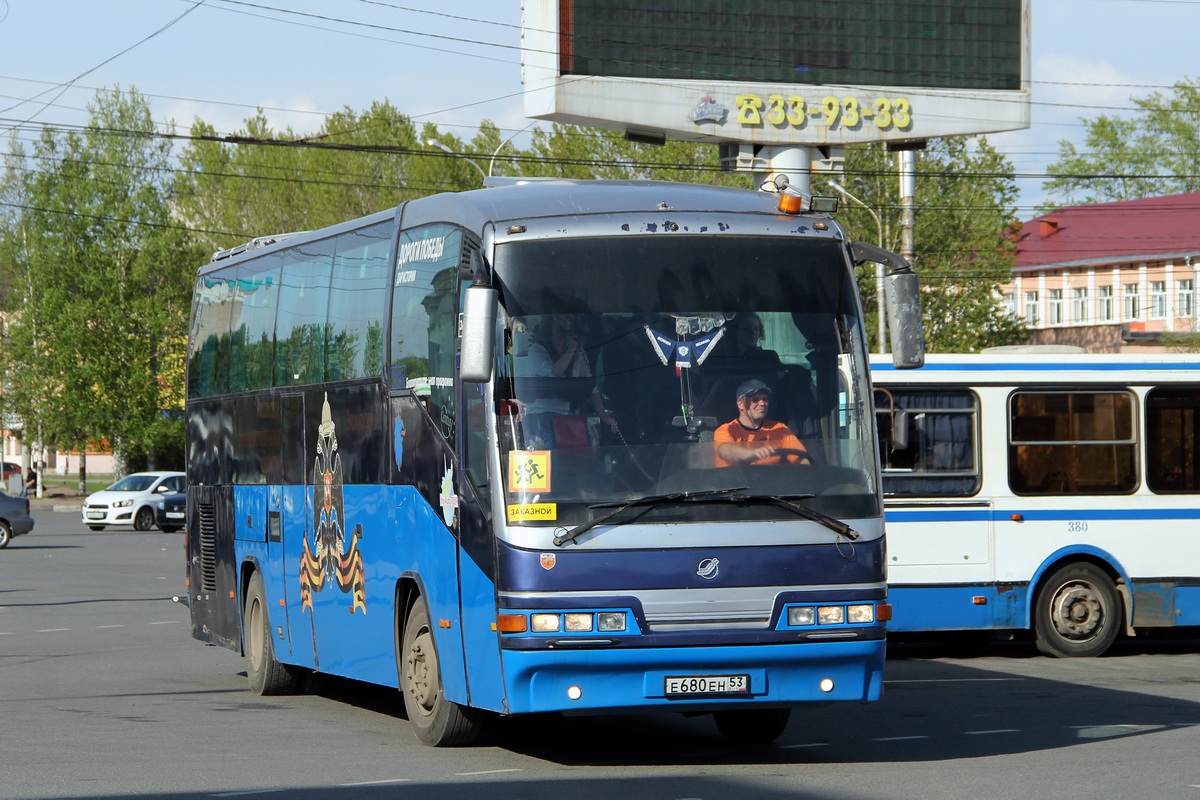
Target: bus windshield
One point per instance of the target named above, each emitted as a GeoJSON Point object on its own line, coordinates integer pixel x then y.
{"type": "Point", "coordinates": [629, 363]}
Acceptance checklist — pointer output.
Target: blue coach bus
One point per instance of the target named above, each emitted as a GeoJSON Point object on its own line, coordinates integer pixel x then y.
{"type": "Point", "coordinates": [466, 448]}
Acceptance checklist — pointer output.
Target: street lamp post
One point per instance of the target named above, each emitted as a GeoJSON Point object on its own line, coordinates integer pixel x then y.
{"type": "Point", "coordinates": [883, 348]}
{"type": "Point", "coordinates": [491, 164]}
{"type": "Point", "coordinates": [449, 152]}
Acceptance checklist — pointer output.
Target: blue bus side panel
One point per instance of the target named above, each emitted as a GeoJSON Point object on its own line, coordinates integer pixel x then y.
{"type": "Point", "coordinates": [425, 549]}
{"type": "Point", "coordinates": [952, 608]}
{"type": "Point", "coordinates": [632, 679]}
{"type": "Point", "coordinates": [286, 572]}
{"type": "Point", "coordinates": [481, 641]}
{"type": "Point", "coordinates": [1165, 604]}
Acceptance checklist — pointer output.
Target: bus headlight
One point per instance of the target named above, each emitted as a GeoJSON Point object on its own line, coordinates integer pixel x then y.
{"type": "Point", "coordinates": [544, 623]}
{"type": "Point", "coordinates": [610, 621]}
{"type": "Point", "coordinates": [801, 615]}
{"type": "Point", "coordinates": [831, 615]}
{"type": "Point", "coordinates": [577, 622]}
{"type": "Point", "coordinates": [864, 613]}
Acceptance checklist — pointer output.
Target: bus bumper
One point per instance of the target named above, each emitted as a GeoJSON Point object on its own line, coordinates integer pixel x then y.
{"type": "Point", "coordinates": [633, 679]}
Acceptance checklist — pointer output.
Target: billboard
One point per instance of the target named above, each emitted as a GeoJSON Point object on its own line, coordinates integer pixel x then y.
{"type": "Point", "coordinates": [781, 72]}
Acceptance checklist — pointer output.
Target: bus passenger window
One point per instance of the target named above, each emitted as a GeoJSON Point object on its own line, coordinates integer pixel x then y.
{"type": "Point", "coordinates": [1068, 442]}
{"type": "Point", "coordinates": [939, 456]}
{"type": "Point", "coordinates": [1172, 426]}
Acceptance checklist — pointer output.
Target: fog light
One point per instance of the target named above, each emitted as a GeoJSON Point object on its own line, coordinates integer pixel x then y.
{"type": "Point", "coordinates": [865, 613]}
{"type": "Point", "coordinates": [831, 615]}
{"type": "Point", "coordinates": [577, 622]}
{"type": "Point", "coordinates": [801, 615]}
{"type": "Point", "coordinates": [610, 621]}
{"type": "Point", "coordinates": [826, 685]}
{"type": "Point", "coordinates": [544, 623]}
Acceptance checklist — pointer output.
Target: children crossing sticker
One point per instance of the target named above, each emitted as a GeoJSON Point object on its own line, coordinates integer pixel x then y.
{"type": "Point", "coordinates": [529, 471]}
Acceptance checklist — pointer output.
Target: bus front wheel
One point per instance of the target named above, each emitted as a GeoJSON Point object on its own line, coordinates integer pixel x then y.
{"type": "Point", "coordinates": [267, 676]}
{"type": "Point", "coordinates": [435, 720]}
{"type": "Point", "coordinates": [1078, 612]}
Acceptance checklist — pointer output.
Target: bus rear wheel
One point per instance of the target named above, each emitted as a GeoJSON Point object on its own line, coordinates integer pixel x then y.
{"type": "Point", "coordinates": [752, 726]}
{"type": "Point", "coordinates": [267, 676]}
{"type": "Point", "coordinates": [435, 720]}
{"type": "Point", "coordinates": [1078, 612]}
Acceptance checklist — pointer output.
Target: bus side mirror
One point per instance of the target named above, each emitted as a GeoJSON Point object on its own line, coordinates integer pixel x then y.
{"type": "Point", "coordinates": [903, 291]}
{"type": "Point", "coordinates": [478, 343]}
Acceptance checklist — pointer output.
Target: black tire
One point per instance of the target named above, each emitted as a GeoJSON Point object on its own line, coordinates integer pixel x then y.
{"type": "Point", "coordinates": [5, 535]}
{"type": "Point", "coordinates": [435, 720]}
{"type": "Point", "coordinates": [143, 520]}
{"type": "Point", "coordinates": [97, 527]}
{"type": "Point", "coordinates": [1078, 612]}
{"type": "Point", "coordinates": [752, 726]}
{"type": "Point", "coordinates": [267, 676]}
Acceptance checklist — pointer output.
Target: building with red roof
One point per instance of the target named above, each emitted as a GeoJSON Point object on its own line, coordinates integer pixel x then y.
{"type": "Point", "coordinates": [1110, 276]}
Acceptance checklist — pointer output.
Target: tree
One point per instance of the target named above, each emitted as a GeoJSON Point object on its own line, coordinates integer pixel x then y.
{"type": "Point", "coordinates": [965, 202]}
{"type": "Point", "coordinates": [1156, 152]}
{"type": "Point", "coordinates": [259, 181]}
{"type": "Point", "coordinates": [101, 276]}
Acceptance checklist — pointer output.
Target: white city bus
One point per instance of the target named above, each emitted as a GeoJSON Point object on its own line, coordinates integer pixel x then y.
{"type": "Point", "coordinates": [1053, 493]}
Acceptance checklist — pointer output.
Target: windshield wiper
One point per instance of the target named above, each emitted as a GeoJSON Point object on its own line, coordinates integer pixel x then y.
{"type": "Point", "coordinates": [649, 500]}
{"type": "Point", "coordinates": [834, 524]}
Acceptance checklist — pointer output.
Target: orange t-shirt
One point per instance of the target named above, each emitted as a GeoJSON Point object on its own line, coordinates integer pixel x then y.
{"type": "Point", "coordinates": [772, 433]}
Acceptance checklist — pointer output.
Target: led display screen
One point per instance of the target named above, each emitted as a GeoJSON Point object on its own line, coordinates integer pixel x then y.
{"type": "Point", "coordinates": [945, 44]}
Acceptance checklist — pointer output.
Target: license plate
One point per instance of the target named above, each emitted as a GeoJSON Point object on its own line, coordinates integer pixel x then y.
{"type": "Point", "coordinates": [174, 515]}
{"type": "Point", "coordinates": [707, 684]}
{"type": "Point", "coordinates": [95, 515]}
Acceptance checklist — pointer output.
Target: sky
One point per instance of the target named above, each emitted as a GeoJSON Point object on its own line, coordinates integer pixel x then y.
{"type": "Point", "coordinates": [457, 63]}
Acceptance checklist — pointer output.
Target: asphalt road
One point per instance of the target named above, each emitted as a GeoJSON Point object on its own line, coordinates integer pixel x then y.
{"type": "Point", "coordinates": [103, 694]}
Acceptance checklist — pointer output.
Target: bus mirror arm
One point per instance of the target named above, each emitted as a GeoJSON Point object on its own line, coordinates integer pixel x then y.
{"type": "Point", "coordinates": [478, 342]}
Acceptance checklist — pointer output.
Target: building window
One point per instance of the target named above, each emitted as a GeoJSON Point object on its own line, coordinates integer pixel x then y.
{"type": "Point", "coordinates": [1104, 304]}
{"type": "Point", "coordinates": [1133, 303]}
{"type": "Point", "coordinates": [1009, 304]}
{"type": "Point", "coordinates": [1183, 300]}
{"type": "Point", "coordinates": [1158, 299]}
{"type": "Point", "coordinates": [1054, 302]}
{"type": "Point", "coordinates": [1079, 305]}
{"type": "Point", "coordinates": [1032, 316]}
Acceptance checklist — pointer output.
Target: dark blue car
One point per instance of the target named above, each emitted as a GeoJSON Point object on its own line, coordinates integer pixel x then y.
{"type": "Point", "coordinates": [171, 513]}
{"type": "Point", "coordinates": [14, 518]}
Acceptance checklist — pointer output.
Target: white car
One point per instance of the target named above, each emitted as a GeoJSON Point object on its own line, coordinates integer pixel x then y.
{"type": "Point", "coordinates": [131, 501]}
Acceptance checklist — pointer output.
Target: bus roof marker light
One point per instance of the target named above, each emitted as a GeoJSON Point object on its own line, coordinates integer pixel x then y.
{"type": "Point", "coordinates": [826, 685]}
{"type": "Point", "coordinates": [574, 692]}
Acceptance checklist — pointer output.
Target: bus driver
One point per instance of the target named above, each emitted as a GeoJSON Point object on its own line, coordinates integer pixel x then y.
{"type": "Point", "coordinates": [752, 438]}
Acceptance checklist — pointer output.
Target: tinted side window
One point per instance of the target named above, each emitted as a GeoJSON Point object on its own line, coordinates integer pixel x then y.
{"type": "Point", "coordinates": [252, 353]}
{"type": "Point", "coordinates": [1072, 443]}
{"type": "Point", "coordinates": [928, 441]}
{"type": "Point", "coordinates": [208, 339]}
{"type": "Point", "coordinates": [303, 307]}
{"type": "Point", "coordinates": [424, 318]}
{"type": "Point", "coordinates": [1172, 455]}
{"type": "Point", "coordinates": [356, 302]}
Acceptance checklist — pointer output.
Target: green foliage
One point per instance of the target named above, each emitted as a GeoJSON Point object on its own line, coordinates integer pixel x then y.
{"type": "Point", "coordinates": [259, 181]}
{"type": "Point", "coordinates": [1156, 152]}
{"type": "Point", "coordinates": [101, 279]}
{"type": "Point", "coordinates": [964, 204]}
